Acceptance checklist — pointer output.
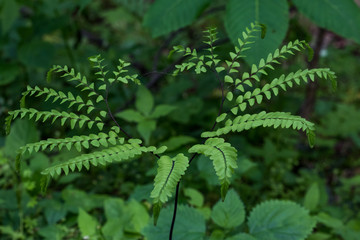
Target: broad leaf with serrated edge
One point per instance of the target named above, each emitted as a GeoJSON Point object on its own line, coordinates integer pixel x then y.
{"type": "Point", "coordinates": [280, 220]}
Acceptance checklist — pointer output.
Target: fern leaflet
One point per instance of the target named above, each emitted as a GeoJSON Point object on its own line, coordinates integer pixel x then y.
{"type": "Point", "coordinates": [117, 153]}
{"type": "Point", "coordinates": [272, 119]}
{"type": "Point", "coordinates": [168, 175]}
{"type": "Point", "coordinates": [224, 159]}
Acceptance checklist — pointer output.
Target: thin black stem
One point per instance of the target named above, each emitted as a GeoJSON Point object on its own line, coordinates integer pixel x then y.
{"type": "Point", "coordinates": [195, 154]}
{"type": "Point", "coordinates": [112, 116]}
{"type": "Point", "coordinates": [175, 210]}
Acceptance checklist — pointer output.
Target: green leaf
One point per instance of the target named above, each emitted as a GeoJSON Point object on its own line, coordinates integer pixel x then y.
{"type": "Point", "coordinates": [190, 225]}
{"type": "Point", "coordinates": [280, 220]}
{"type": "Point", "coordinates": [174, 143]}
{"type": "Point", "coordinates": [87, 224]}
{"type": "Point", "coordinates": [224, 158]}
{"type": "Point", "coordinates": [144, 101]}
{"type": "Point", "coordinates": [195, 197]}
{"type": "Point", "coordinates": [22, 132]}
{"type": "Point", "coordinates": [160, 150]}
{"type": "Point", "coordinates": [168, 175]}
{"type": "Point", "coordinates": [130, 115]}
{"type": "Point", "coordinates": [241, 236]}
{"type": "Point", "coordinates": [145, 128]}
{"type": "Point", "coordinates": [272, 13]}
{"type": "Point", "coordinates": [341, 17]}
{"type": "Point", "coordinates": [9, 72]}
{"type": "Point", "coordinates": [162, 110]}
{"type": "Point", "coordinates": [8, 14]}
{"type": "Point", "coordinates": [230, 213]}
{"type": "Point", "coordinates": [329, 221]}
{"type": "Point", "coordinates": [312, 197]}
{"type": "Point", "coordinates": [166, 16]}
{"type": "Point", "coordinates": [311, 138]}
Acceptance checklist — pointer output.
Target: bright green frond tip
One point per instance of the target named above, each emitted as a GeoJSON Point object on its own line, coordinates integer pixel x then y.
{"type": "Point", "coordinates": [169, 173]}
{"type": "Point", "coordinates": [224, 158]}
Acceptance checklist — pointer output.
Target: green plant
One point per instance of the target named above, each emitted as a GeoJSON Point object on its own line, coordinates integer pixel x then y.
{"type": "Point", "coordinates": [92, 111]}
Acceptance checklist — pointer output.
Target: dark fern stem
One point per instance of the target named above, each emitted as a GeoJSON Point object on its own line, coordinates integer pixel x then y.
{"type": "Point", "coordinates": [195, 154]}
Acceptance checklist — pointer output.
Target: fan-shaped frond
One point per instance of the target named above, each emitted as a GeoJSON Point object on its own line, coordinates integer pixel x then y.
{"type": "Point", "coordinates": [118, 153]}
{"type": "Point", "coordinates": [54, 115]}
{"type": "Point", "coordinates": [224, 159]}
{"type": "Point", "coordinates": [263, 119]}
{"type": "Point", "coordinates": [169, 173]}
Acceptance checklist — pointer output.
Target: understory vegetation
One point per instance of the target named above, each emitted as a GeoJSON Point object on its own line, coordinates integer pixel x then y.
{"type": "Point", "coordinates": [140, 119]}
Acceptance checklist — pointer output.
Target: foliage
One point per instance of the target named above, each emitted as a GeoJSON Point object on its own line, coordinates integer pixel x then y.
{"type": "Point", "coordinates": [179, 113]}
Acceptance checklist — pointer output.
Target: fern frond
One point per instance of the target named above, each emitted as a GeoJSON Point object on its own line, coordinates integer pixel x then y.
{"type": "Point", "coordinates": [263, 119]}
{"type": "Point", "coordinates": [83, 83]}
{"type": "Point", "coordinates": [248, 35]}
{"type": "Point", "coordinates": [263, 64]}
{"type": "Point", "coordinates": [8, 120]}
{"type": "Point", "coordinates": [169, 173]}
{"type": "Point", "coordinates": [121, 75]}
{"type": "Point", "coordinates": [79, 142]}
{"type": "Point", "coordinates": [199, 62]}
{"type": "Point", "coordinates": [224, 159]}
{"type": "Point", "coordinates": [117, 153]}
{"type": "Point", "coordinates": [54, 115]}
{"type": "Point", "coordinates": [62, 97]}
{"type": "Point", "coordinates": [250, 97]}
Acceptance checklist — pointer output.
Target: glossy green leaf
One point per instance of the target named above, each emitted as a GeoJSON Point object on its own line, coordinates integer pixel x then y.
{"type": "Point", "coordinates": [341, 17]}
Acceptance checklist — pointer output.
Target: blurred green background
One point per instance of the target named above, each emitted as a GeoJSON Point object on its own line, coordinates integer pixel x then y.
{"type": "Point", "coordinates": [36, 34]}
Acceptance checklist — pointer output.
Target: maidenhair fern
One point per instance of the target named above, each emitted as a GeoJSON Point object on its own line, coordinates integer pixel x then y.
{"type": "Point", "coordinates": [169, 174]}
{"type": "Point", "coordinates": [223, 156]}
{"type": "Point", "coordinates": [106, 145]}
{"type": "Point", "coordinates": [242, 91]}
{"type": "Point", "coordinates": [114, 148]}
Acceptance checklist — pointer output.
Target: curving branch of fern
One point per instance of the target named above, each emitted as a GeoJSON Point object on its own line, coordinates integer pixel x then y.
{"type": "Point", "coordinates": [113, 146]}
{"type": "Point", "coordinates": [243, 91]}
{"type": "Point", "coordinates": [168, 175]}
{"type": "Point", "coordinates": [223, 156]}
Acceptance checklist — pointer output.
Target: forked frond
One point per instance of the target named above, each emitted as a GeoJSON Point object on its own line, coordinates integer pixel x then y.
{"type": "Point", "coordinates": [224, 159]}
{"type": "Point", "coordinates": [169, 173]}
